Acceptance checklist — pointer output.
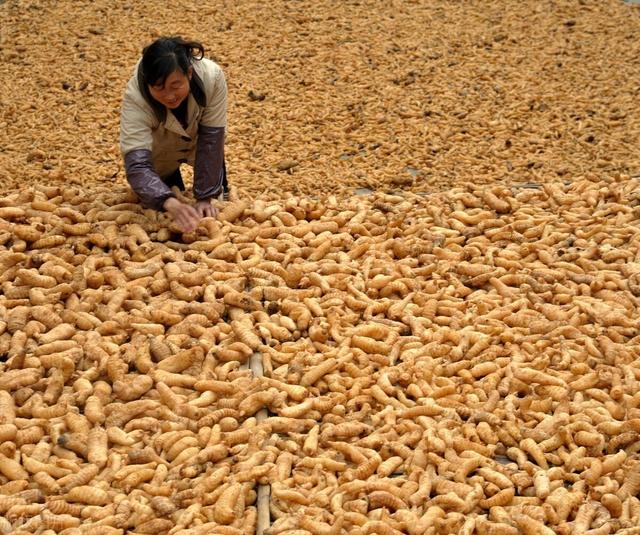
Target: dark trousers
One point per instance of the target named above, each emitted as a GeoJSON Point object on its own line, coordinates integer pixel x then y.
{"type": "Point", "coordinates": [175, 179]}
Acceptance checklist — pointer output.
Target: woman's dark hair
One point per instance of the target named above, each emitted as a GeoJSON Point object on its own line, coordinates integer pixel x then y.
{"type": "Point", "coordinates": [160, 59]}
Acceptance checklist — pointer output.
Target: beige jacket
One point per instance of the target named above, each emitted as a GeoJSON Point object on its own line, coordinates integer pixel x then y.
{"type": "Point", "coordinates": [169, 143]}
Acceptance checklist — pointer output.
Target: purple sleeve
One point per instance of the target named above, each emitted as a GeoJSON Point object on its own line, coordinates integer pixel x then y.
{"type": "Point", "coordinates": [209, 165]}
{"type": "Point", "coordinates": [144, 180]}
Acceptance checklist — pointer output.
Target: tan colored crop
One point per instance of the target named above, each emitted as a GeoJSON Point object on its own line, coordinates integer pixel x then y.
{"type": "Point", "coordinates": [89, 495]}
{"type": "Point", "coordinates": [314, 374]}
{"type": "Point", "coordinates": [15, 379]}
{"type": "Point", "coordinates": [182, 360]}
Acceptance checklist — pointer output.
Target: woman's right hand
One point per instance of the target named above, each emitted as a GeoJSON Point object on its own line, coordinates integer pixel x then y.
{"type": "Point", "coordinates": [185, 215]}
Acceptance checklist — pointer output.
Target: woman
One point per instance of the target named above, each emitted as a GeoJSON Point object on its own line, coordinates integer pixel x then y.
{"type": "Point", "coordinates": [173, 112]}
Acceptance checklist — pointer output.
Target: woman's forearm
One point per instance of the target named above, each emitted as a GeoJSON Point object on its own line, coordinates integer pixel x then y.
{"type": "Point", "coordinates": [209, 164]}
{"type": "Point", "coordinates": [144, 180]}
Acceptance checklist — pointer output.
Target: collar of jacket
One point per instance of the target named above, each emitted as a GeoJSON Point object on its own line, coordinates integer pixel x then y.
{"type": "Point", "coordinates": [172, 123]}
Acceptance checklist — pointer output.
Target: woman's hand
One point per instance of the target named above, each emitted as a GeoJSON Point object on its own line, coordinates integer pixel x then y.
{"type": "Point", "coordinates": [185, 215]}
{"type": "Point", "coordinates": [206, 209]}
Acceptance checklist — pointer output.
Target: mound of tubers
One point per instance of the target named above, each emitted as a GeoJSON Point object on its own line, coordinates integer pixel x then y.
{"type": "Point", "coordinates": [462, 363]}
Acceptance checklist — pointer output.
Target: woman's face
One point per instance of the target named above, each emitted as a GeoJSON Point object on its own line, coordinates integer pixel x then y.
{"type": "Point", "coordinates": [174, 90]}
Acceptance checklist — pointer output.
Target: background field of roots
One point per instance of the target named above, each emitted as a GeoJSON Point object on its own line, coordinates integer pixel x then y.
{"type": "Point", "coordinates": [326, 96]}
{"type": "Point", "coordinates": [457, 352]}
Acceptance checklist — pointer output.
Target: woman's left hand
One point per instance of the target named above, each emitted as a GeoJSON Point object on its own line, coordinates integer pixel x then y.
{"type": "Point", "coordinates": [206, 209]}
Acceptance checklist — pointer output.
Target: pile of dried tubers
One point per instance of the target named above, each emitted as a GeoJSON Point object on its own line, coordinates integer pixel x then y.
{"type": "Point", "coordinates": [465, 362]}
